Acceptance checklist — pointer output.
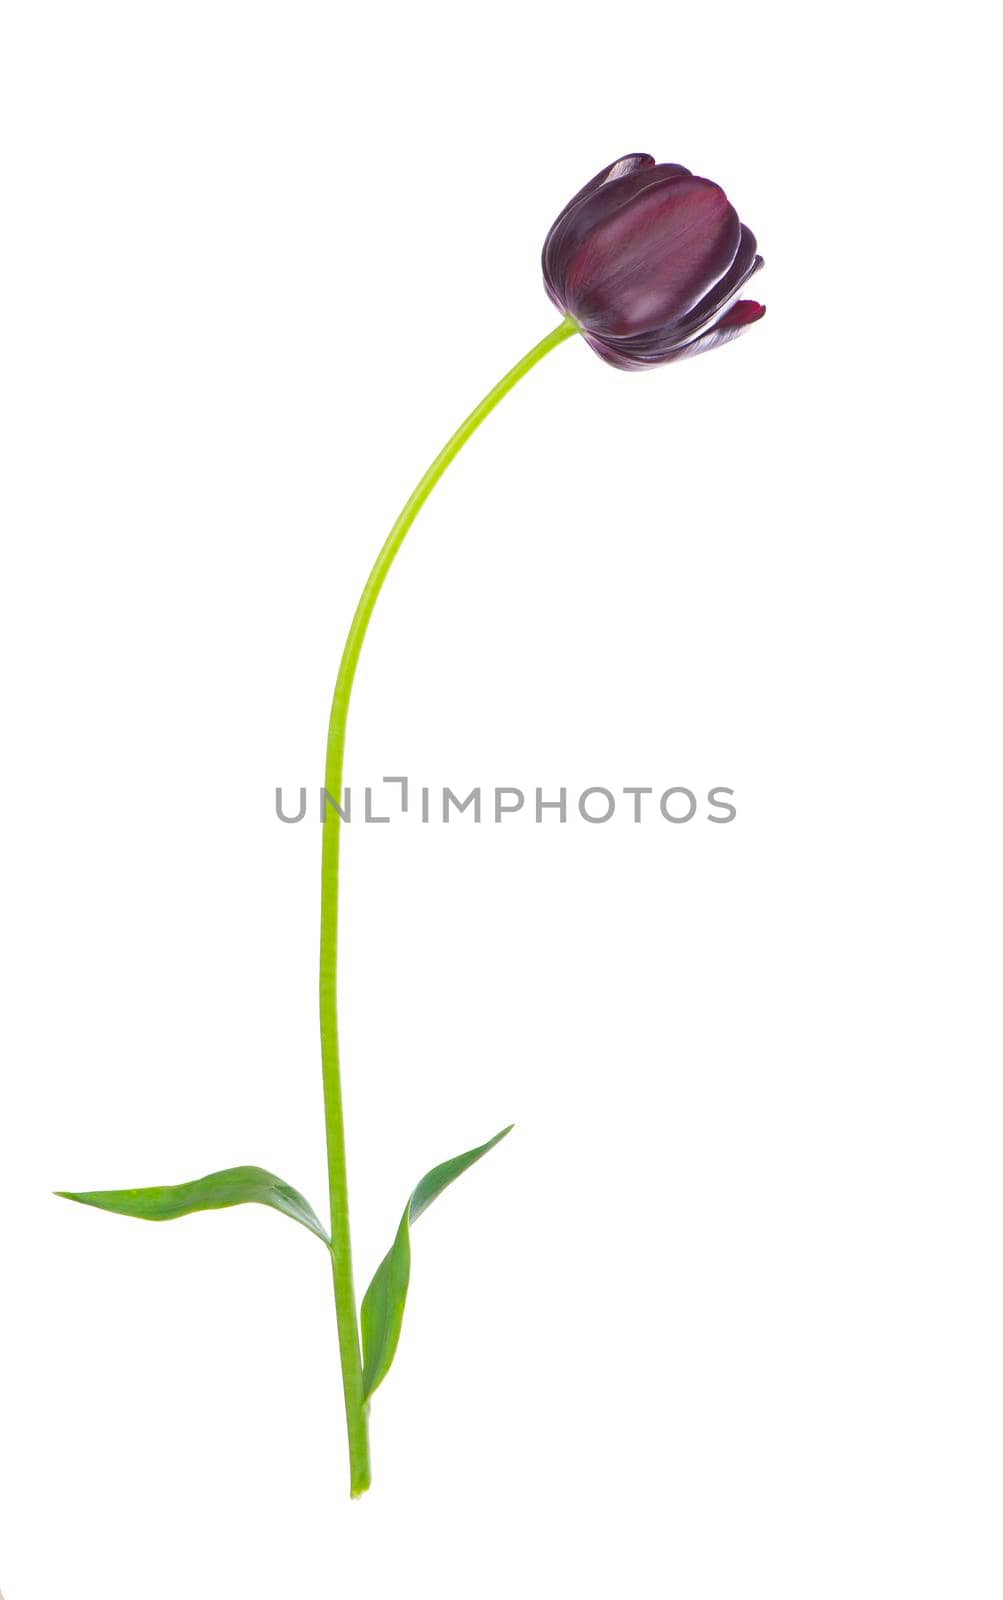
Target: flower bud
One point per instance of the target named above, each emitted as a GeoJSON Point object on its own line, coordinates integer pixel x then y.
{"type": "Point", "coordinates": [649, 261]}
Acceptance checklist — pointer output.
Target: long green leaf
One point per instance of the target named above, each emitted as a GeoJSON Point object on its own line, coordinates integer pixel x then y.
{"type": "Point", "coordinates": [383, 1303]}
{"type": "Point", "coordinates": [236, 1186]}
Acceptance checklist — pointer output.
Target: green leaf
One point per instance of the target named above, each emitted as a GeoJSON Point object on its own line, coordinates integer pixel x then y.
{"type": "Point", "coordinates": [236, 1186]}
{"type": "Point", "coordinates": [383, 1303]}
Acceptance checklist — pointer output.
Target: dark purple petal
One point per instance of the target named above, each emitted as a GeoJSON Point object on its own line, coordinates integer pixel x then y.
{"type": "Point", "coordinates": [616, 169]}
{"type": "Point", "coordinates": [610, 174]}
{"type": "Point", "coordinates": [588, 209]}
{"type": "Point", "coordinates": [735, 321]}
{"type": "Point", "coordinates": [746, 262]}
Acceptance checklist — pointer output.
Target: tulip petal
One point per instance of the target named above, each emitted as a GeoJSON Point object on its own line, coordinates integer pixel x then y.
{"type": "Point", "coordinates": [726, 290]}
{"type": "Point", "coordinates": [610, 174]}
{"type": "Point", "coordinates": [592, 206]}
{"type": "Point", "coordinates": [629, 356]}
{"type": "Point", "coordinates": [735, 321]}
{"type": "Point", "coordinates": [616, 169]}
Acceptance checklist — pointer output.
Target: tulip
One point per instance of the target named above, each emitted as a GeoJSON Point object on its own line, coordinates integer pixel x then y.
{"type": "Point", "coordinates": [646, 264]}
{"type": "Point", "coordinates": [648, 261]}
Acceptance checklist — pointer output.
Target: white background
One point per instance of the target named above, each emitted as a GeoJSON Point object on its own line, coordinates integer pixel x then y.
{"type": "Point", "coordinates": [723, 1317]}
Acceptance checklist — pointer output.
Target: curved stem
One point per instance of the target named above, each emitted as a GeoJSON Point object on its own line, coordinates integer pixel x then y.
{"type": "Point", "coordinates": [356, 1407]}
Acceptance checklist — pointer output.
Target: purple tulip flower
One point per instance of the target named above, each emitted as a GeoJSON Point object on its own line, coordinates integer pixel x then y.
{"type": "Point", "coordinates": [646, 263]}
{"type": "Point", "coordinates": [649, 261]}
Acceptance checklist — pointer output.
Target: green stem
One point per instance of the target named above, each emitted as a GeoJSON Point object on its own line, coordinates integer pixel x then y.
{"type": "Point", "coordinates": [356, 1407]}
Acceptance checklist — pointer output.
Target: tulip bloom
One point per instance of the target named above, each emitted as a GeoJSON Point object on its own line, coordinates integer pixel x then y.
{"type": "Point", "coordinates": [648, 260]}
